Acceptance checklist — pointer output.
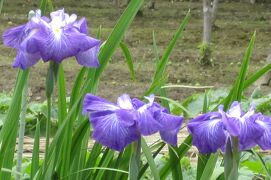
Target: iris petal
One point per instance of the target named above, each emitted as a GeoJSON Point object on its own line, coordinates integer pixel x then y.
{"type": "Point", "coordinates": [124, 101]}
{"type": "Point", "coordinates": [24, 60]}
{"type": "Point", "coordinates": [89, 58]}
{"type": "Point", "coordinates": [110, 131]}
{"type": "Point", "coordinates": [171, 126]}
{"type": "Point", "coordinates": [14, 36]}
{"type": "Point", "coordinates": [93, 103]}
{"type": "Point", "coordinates": [208, 132]}
{"type": "Point", "coordinates": [147, 125]}
{"type": "Point", "coordinates": [265, 140]}
{"type": "Point", "coordinates": [249, 132]}
{"type": "Point", "coordinates": [60, 43]}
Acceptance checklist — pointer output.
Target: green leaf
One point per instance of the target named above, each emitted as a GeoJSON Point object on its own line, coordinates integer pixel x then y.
{"type": "Point", "coordinates": [257, 155]}
{"type": "Point", "coordinates": [1, 5]}
{"type": "Point", "coordinates": [181, 150]}
{"type": "Point", "coordinates": [150, 159]}
{"type": "Point", "coordinates": [240, 81]}
{"type": "Point", "coordinates": [129, 60]}
{"type": "Point", "coordinates": [209, 167]}
{"type": "Point", "coordinates": [145, 167]}
{"type": "Point", "coordinates": [62, 104]}
{"type": "Point", "coordinates": [134, 164]}
{"type": "Point", "coordinates": [257, 75]}
{"type": "Point", "coordinates": [35, 153]}
{"type": "Point", "coordinates": [8, 132]}
{"type": "Point", "coordinates": [106, 158]}
{"type": "Point", "coordinates": [161, 66]}
{"type": "Point", "coordinates": [117, 34]}
{"type": "Point", "coordinates": [176, 104]}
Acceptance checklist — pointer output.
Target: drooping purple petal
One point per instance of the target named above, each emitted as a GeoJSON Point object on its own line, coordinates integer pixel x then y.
{"type": "Point", "coordinates": [147, 125]}
{"type": "Point", "coordinates": [250, 131]}
{"type": "Point", "coordinates": [110, 131]}
{"type": "Point", "coordinates": [265, 140]}
{"type": "Point", "coordinates": [89, 58]}
{"type": "Point", "coordinates": [208, 132]}
{"type": "Point", "coordinates": [171, 126]}
{"type": "Point", "coordinates": [14, 36]}
{"type": "Point", "coordinates": [58, 44]}
{"type": "Point", "coordinates": [93, 103]}
{"type": "Point", "coordinates": [25, 60]}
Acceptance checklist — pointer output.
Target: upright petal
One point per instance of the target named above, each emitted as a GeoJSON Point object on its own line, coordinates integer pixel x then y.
{"type": "Point", "coordinates": [109, 130]}
{"type": "Point", "coordinates": [265, 140]}
{"type": "Point", "coordinates": [232, 124]}
{"type": "Point", "coordinates": [137, 103]}
{"type": "Point", "coordinates": [235, 110]}
{"type": "Point", "coordinates": [124, 101]}
{"type": "Point", "coordinates": [93, 103]}
{"type": "Point", "coordinates": [208, 132]}
{"type": "Point", "coordinates": [82, 26]}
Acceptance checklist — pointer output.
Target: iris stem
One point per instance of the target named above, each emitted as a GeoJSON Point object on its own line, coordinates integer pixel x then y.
{"type": "Point", "coordinates": [48, 125]}
{"type": "Point", "coordinates": [134, 165]}
{"type": "Point", "coordinates": [231, 159]}
{"type": "Point", "coordinates": [21, 132]}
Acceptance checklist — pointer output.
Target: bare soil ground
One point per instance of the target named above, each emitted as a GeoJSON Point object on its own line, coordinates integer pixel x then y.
{"type": "Point", "coordinates": [235, 24]}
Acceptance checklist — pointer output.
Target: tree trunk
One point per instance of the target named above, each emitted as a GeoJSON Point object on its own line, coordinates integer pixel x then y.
{"type": "Point", "coordinates": [214, 11]}
{"type": "Point", "coordinates": [152, 4]}
{"type": "Point", "coordinates": [207, 21]}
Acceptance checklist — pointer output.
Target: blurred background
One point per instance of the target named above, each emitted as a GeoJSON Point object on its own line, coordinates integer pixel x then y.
{"type": "Point", "coordinates": [210, 57]}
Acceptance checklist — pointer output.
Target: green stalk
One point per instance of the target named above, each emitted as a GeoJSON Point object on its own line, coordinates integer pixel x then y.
{"type": "Point", "coordinates": [134, 165]}
{"type": "Point", "coordinates": [50, 81]}
{"type": "Point", "coordinates": [21, 133]}
{"type": "Point", "coordinates": [231, 158]}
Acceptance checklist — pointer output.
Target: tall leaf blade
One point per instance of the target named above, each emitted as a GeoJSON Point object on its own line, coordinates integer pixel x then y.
{"type": "Point", "coordinates": [150, 159]}
{"type": "Point", "coordinates": [128, 58]}
{"type": "Point", "coordinates": [116, 36]}
{"type": "Point", "coordinates": [161, 65]}
{"type": "Point", "coordinates": [209, 167]}
{"type": "Point", "coordinates": [9, 129]}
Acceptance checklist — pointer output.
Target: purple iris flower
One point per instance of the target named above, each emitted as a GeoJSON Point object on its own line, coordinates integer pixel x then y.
{"type": "Point", "coordinates": [117, 125]}
{"type": "Point", "coordinates": [265, 140]}
{"type": "Point", "coordinates": [54, 39]}
{"type": "Point", "coordinates": [211, 130]}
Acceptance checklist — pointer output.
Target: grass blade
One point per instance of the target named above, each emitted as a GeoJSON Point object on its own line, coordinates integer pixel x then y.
{"type": "Point", "coordinates": [150, 159]}
{"type": "Point", "coordinates": [239, 85]}
{"type": "Point", "coordinates": [129, 60]}
{"type": "Point", "coordinates": [1, 5]}
{"type": "Point", "coordinates": [145, 167]}
{"type": "Point", "coordinates": [181, 150]}
{"type": "Point", "coordinates": [9, 129]}
{"type": "Point", "coordinates": [256, 76]}
{"type": "Point", "coordinates": [161, 65]}
{"type": "Point", "coordinates": [117, 34]}
{"type": "Point", "coordinates": [209, 167]}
